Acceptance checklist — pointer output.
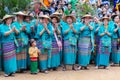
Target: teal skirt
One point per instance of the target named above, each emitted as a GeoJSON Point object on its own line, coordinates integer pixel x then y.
{"type": "Point", "coordinates": [84, 51]}
{"type": "Point", "coordinates": [9, 56]}
{"type": "Point", "coordinates": [103, 56]}
{"type": "Point", "coordinates": [21, 55]}
{"type": "Point", "coordinates": [69, 55]}
{"type": "Point", "coordinates": [55, 55]}
{"type": "Point", "coordinates": [0, 57]}
{"type": "Point", "coordinates": [45, 60]}
{"type": "Point", "coordinates": [115, 52]}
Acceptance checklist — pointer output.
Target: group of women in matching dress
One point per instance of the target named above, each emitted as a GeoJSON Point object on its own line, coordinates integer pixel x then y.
{"type": "Point", "coordinates": [61, 40]}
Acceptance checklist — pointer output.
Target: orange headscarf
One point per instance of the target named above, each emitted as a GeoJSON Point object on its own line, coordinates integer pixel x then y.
{"type": "Point", "coordinates": [47, 2]}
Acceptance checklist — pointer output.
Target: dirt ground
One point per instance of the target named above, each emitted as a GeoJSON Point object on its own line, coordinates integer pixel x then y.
{"type": "Point", "coordinates": [112, 74]}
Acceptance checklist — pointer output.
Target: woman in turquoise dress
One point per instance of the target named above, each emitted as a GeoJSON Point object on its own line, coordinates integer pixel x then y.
{"type": "Point", "coordinates": [115, 46]}
{"type": "Point", "coordinates": [0, 48]}
{"type": "Point", "coordinates": [61, 26]}
{"type": "Point", "coordinates": [8, 46]}
{"type": "Point", "coordinates": [97, 25]}
{"type": "Point", "coordinates": [104, 50]}
{"type": "Point", "coordinates": [70, 41]}
{"type": "Point", "coordinates": [45, 34]}
{"type": "Point", "coordinates": [56, 47]}
{"type": "Point", "coordinates": [22, 39]}
{"type": "Point", "coordinates": [85, 42]}
{"type": "Point", "coordinates": [29, 34]}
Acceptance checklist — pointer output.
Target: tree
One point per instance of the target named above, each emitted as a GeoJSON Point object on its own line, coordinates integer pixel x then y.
{"type": "Point", "coordinates": [10, 6]}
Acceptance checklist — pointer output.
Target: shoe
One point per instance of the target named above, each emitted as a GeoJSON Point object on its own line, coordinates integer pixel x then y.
{"type": "Point", "coordinates": [64, 69]}
{"type": "Point", "coordinates": [86, 68]}
{"type": "Point", "coordinates": [79, 68]}
{"type": "Point", "coordinates": [6, 75]}
{"type": "Point", "coordinates": [96, 67]}
{"type": "Point", "coordinates": [12, 75]}
{"type": "Point", "coordinates": [46, 72]}
{"type": "Point", "coordinates": [106, 67]}
{"type": "Point", "coordinates": [33, 73]}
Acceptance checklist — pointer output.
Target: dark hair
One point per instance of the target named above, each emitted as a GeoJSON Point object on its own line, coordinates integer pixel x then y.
{"type": "Point", "coordinates": [31, 41]}
{"type": "Point", "coordinates": [52, 4]}
{"type": "Point", "coordinates": [113, 17]}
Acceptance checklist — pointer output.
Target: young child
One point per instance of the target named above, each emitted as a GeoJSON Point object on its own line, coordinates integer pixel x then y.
{"type": "Point", "coordinates": [33, 52]}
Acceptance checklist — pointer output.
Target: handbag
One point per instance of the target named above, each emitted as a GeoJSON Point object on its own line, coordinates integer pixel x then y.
{"type": "Point", "coordinates": [58, 42]}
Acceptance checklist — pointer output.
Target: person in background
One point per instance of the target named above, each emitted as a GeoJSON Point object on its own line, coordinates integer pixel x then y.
{"type": "Point", "coordinates": [33, 53]}
{"type": "Point", "coordinates": [52, 7]}
{"type": "Point", "coordinates": [47, 2]}
{"type": "Point", "coordinates": [8, 38]}
{"type": "Point", "coordinates": [36, 7]}
{"type": "Point", "coordinates": [69, 10]}
{"type": "Point", "coordinates": [59, 9]}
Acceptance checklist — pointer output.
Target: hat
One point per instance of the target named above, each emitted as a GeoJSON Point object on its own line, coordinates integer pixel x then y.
{"type": "Point", "coordinates": [57, 13]}
{"type": "Point", "coordinates": [105, 17]}
{"type": "Point", "coordinates": [87, 15]}
{"type": "Point", "coordinates": [27, 14]}
{"type": "Point", "coordinates": [19, 13]}
{"type": "Point", "coordinates": [34, 2]}
{"type": "Point", "coordinates": [53, 16]}
{"type": "Point", "coordinates": [65, 18]}
{"type": "Point", "coordinates": [44, 16]}
{"type": "Point", "coordinates": [7, 16]}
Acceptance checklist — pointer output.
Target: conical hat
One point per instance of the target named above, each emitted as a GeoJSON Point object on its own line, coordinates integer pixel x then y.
{"type": "Point", "coordinates": [19, 13]}
{"type": "Point", "coordinates": [7, 16]}
{"type": "Point", "coordinates": [65, 18]}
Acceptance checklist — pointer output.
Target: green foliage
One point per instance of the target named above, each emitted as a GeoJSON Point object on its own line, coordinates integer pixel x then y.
{"type": "Point", "coordinates": [13, 6]}
{"type": "Point", "coordinates": [84, 8]}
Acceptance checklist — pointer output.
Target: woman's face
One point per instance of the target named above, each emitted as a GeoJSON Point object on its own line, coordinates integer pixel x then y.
{"type": "Point", "coordinates": [69, 6]}
{"type": "Point", "coordinates": [105, 21]}
{"type": "Point", "coordinates": [45, 20]}
{"type": "Point", "coordinates": [69, 20]}
{"type": "Point", "coordinates": [87, 20]}
{"type": "Point", "coordinates": [59, 6]}
{"type": "Point", "coordinates": [20, 17]}
{"type": "Point", "coordinates": [37, 5]}
{"type": "Point", "coordinates": [54, 20]}
{"type": "Point", "coordinates": [41, 20]}
{"type": "Point", "coordinates": [27, 19]}
{"type": "Point", "coordinates": [116, 19]}
{"type": "Point", "coordinates": [8, 21]}
{"type": "Point", "coordinates": [96, 19]}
